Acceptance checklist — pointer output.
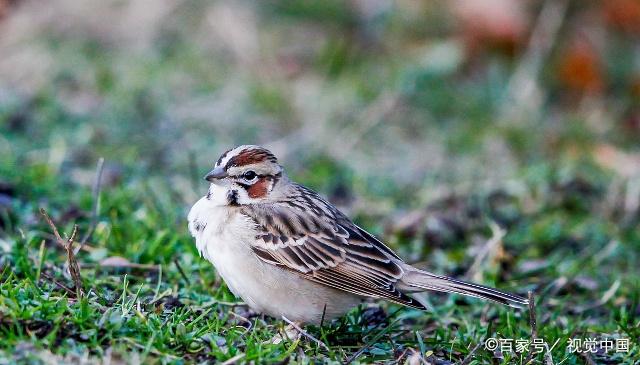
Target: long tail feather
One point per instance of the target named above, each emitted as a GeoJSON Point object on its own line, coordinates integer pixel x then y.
{"type": "Point", "coordinates": [415, 278]}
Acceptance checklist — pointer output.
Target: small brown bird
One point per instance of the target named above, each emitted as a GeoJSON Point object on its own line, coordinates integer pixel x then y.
{"type": "Point", "coordinates": [287, 252]}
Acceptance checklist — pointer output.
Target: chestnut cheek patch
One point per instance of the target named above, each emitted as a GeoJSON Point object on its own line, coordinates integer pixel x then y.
{"type": "Point", "coordinates": [259, 189]}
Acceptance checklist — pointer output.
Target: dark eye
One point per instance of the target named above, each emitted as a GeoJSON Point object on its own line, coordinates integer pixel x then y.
{"type": "Point", "coordinates": [249, 175]}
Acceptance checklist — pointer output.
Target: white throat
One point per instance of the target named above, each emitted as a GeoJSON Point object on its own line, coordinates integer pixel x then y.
{"type": "Point", "coordinates": [217, 195]}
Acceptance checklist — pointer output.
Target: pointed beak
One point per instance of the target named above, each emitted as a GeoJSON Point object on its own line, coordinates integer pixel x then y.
{"type": "Point", "coordinates": [215, 174]}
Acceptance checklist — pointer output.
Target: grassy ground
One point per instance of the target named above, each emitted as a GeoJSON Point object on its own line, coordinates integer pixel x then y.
{"type": "Point", "coordinates": [420, 132]}
{"type": "Point", "coordinates": [563, 241]}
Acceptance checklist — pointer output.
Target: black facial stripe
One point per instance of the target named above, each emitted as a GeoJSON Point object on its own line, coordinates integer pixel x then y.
{"type": "Point", "coordinates": [232, 197]}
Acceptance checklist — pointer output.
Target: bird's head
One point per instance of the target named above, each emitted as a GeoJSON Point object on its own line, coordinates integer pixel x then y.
{"type": "Point", "coordinates": [245, 174]}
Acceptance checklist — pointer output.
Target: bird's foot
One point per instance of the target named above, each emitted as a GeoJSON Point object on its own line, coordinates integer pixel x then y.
{"type": "Point", "coordinates": [289, 333]}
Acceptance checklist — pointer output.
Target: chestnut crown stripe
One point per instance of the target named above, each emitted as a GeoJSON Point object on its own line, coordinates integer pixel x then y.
{"type": "Point", "coordinates": [249, 157]}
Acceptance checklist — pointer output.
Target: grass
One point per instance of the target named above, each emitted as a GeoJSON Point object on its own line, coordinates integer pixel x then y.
{"type": "Point", "coordinates": [394, 113]}
{"type": "Point", "coordinates": [173, 308]}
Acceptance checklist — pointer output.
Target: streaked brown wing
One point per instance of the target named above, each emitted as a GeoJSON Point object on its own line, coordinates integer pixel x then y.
{"type": "Point", "coordinates": [309, 236]}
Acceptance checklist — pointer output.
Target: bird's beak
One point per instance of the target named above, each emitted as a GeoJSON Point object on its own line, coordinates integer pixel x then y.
{"type": "Point", "coordinates": [216, 174]}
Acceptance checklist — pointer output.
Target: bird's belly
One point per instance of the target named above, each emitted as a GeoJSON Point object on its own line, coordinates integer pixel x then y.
{"type": "Point", "coordinates": [264, 287]}
{"type": "Point", "coordinates": [277, 292]}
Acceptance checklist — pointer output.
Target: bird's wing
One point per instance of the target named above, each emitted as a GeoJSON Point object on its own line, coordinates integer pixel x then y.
{"type": "Point", "coordinates": [307, 235]}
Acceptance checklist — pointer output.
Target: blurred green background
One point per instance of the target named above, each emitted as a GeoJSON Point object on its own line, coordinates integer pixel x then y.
{"type": "Point", "coordinates": [423, 120]}
{"type": "Point", "coordinates": [414, 92]}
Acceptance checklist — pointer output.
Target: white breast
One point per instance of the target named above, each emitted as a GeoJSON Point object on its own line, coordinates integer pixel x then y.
{"type": "Point", "coordinates": [224, 236]}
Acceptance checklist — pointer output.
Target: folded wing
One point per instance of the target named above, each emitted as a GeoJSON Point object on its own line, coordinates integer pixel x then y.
{"type": "Point", "coordinates": [305, 234]}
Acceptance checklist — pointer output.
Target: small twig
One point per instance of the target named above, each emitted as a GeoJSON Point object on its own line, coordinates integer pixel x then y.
{"type": "Point", "coordinates": [74, 269]}
{"type": "Point", "coordinates": [533, 323]}
{"type": "Point", "coordinates": [469, 357]}
{"type": "Point", "coordinates": [548, 360]}
{"type": "Point", "coordinates": [74, 233]}
{"type": "Point", "coordinates": [57, 283]}
{"type": "Point", "coordinates": [532, 315]}
{"type": "Point", "coordinates": [53, 228]}
{"type": "Point", "coordinates": [306, 334]}
{"type": "Point", "coordinates": [96, 204]}
{"type": "Point", "coordinates": [184, 276]}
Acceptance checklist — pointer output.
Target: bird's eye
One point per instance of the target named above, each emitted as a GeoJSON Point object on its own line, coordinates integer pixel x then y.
{"type": "Point", "coordinates": [249, 175]}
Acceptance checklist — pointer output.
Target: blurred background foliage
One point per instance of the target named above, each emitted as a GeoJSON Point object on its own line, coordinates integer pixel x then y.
{"type": "Point", "coordinates": [422, 119]}
{"type": "Point", "coordinates": [430, 91]}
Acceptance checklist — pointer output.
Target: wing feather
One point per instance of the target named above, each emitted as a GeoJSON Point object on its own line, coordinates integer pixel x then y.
{"type": "Point", "coordinates": [308, 235]}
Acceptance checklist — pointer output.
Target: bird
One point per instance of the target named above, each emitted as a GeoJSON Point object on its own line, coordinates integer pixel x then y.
{"type": "Point", "coordinates": [289, 253]}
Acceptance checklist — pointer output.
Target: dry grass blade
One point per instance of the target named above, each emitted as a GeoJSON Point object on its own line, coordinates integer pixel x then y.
{"type": "Point", "coordinates": [56, 234]}
{"type": "Point", "coordinates": [532, 315]}
{"type": "Point", "coordinates": [533, 323]}
{"type": "Point", "coordinates": [490, 248]}
{"type": "Point", "coordinates": [59, 284]}
{"type": "Point", "coordinates": [469, 357]}
{"type": "Point", "coordinates": [602, 301]}
{"type": "Point", "coordinates": [184, 276]}
{"type": "Point", "coordinates": [369, 343]}
{"type": "Point", "coordinates": [74, 268]}
{"type": "Point", "coordinates": [548, 360]}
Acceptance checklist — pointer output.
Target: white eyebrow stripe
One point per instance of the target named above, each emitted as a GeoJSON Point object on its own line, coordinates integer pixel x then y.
{"type": "Point", "coordinates": [259, 169]}
{"type": "Point", "coordinates": [231, 154]}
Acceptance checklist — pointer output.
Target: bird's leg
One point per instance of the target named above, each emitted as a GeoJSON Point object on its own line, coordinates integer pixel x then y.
{"type": "Point", "coordinates": [293, 326]}
{"type": "Point", "coordinates": [291, 332]}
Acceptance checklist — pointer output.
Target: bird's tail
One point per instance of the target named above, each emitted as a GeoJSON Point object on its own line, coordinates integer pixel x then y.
{"type": "Point", "coordinates": [418, 279]}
